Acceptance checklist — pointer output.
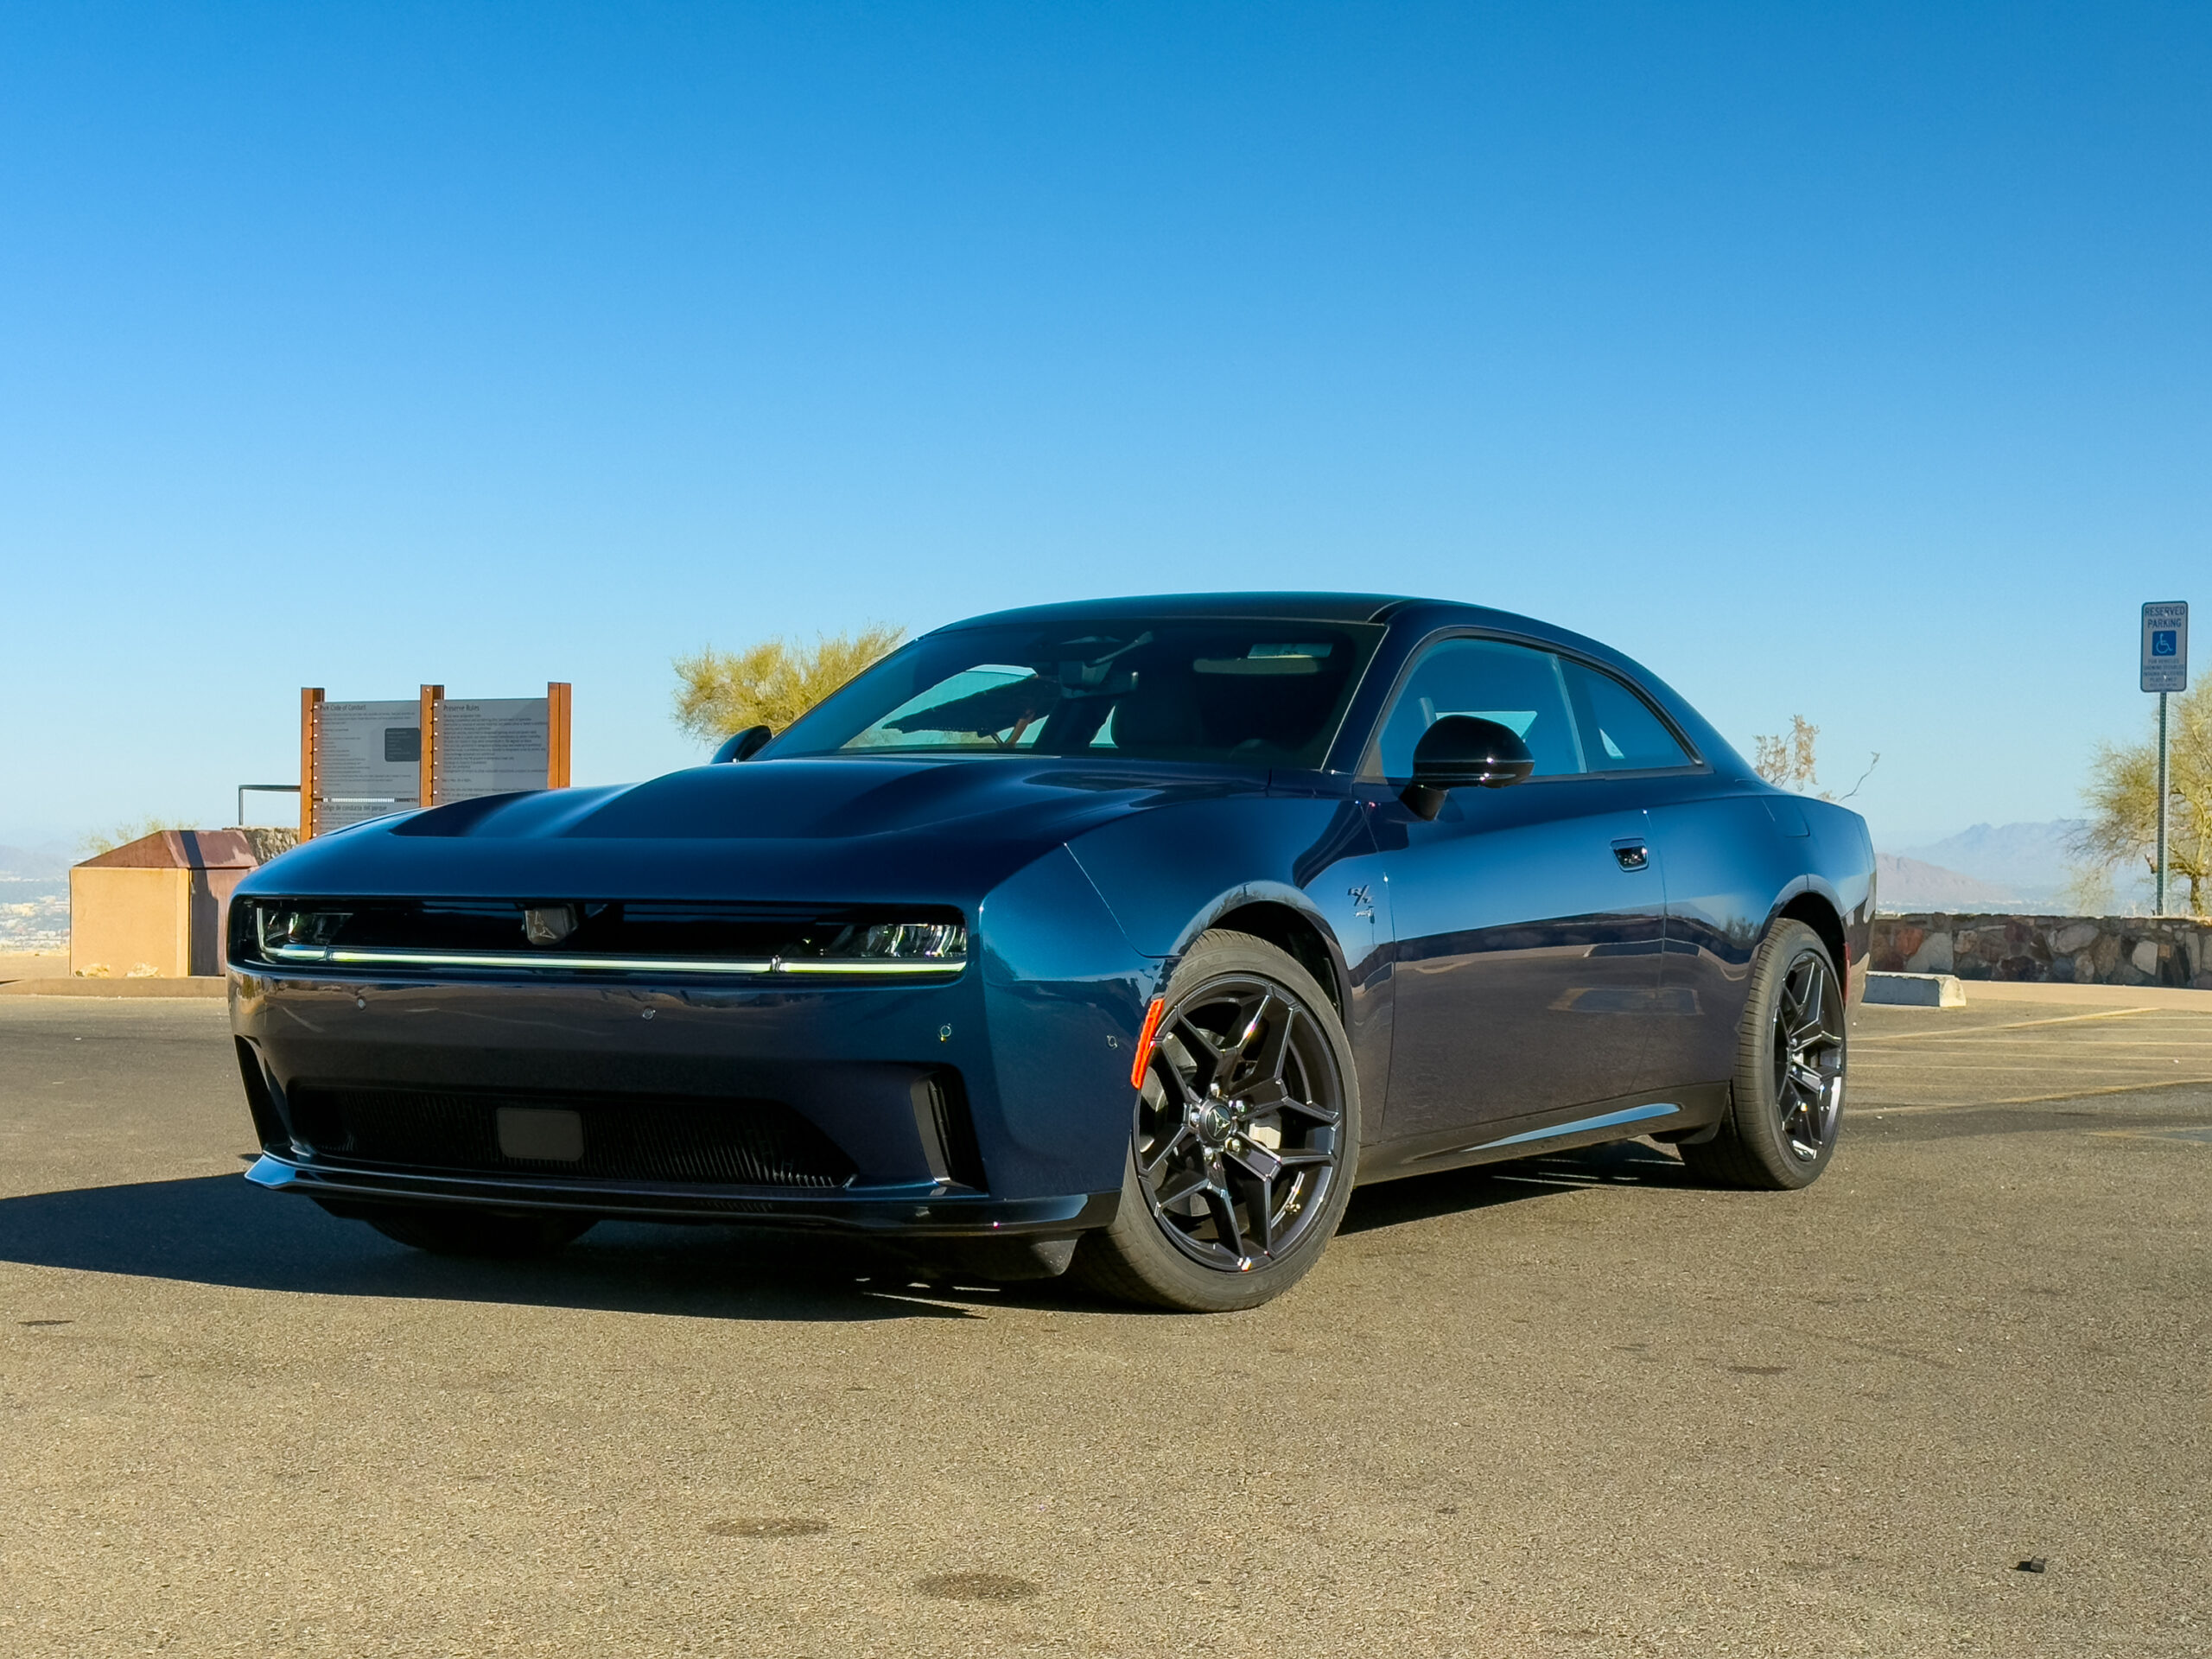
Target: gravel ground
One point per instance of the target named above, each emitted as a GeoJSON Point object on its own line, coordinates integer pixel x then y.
{"type": "Point", "coordinates": [1579, 1406]}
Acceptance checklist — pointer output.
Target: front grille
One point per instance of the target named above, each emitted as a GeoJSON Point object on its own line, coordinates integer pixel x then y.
{"type": "Point", "coordinates": [592, 936]}
{"type": "Point", "coordinates": [731, 1142]}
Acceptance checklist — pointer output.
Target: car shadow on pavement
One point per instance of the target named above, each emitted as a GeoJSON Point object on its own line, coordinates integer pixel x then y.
{"type": "Point", "coordinates": [216, 1230]}
{"type": "Point", "coordinates": [1454, 1191]}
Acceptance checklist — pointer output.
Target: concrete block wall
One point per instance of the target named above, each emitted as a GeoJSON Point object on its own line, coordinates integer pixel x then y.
{"type": "Point", "coordinates": [2066, 950]}
{"type": "Point", "coordinates": [154, 907]}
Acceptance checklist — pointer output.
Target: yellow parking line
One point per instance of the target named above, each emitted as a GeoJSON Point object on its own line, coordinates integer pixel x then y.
{"type": "Point", "coordinates": [1889, 1109]}
{"type": "Point", "coordinates": [2139, 1080]}
{"type": "Point", "coordinates": [2039, 1052]}
{"type": "Point", "coordinates": [2017, 1025]}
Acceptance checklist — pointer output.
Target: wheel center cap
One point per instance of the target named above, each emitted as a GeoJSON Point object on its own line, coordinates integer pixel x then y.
{"type": "Point", "coordinates": [1211, 1123]}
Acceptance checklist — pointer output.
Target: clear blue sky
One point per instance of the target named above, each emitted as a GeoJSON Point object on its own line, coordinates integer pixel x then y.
{"type": "Point", "coordinates": [1845, 360]}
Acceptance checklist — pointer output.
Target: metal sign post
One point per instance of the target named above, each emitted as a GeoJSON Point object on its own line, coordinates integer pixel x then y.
{"type": "Point", "coordinates": [2165, 670]}
{"type": "Point", "coordinates": [245, 790]}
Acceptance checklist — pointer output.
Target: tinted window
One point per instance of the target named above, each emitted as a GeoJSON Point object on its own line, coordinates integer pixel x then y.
{"type": "Point", "coordinates": [1255, 691]}
{"type": "Point", "coordinates": [1511, 684]}
{"type": "Point", "coordinates": [1620, 733]}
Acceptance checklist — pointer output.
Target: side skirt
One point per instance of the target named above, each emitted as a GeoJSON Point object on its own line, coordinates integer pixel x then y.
{"type": "Point", "coordinates": [1668, 1114]}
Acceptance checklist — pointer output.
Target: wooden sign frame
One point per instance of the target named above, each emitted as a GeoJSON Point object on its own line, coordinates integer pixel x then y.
{"type": "Point", "coordinates": [310, 718]}
{"type": "Point", "coordinates": [559, 722]}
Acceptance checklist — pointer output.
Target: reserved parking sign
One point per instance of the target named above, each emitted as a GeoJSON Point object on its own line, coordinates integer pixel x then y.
{"type": "Point", "coordinates": [2165, 646]}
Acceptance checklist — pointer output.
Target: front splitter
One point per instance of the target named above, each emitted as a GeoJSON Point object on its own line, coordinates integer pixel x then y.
{"type": "Point", "coordinates": [921, 1211]}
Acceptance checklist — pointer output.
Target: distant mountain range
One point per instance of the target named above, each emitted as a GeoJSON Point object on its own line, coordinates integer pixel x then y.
{"type": "Point", "coordinates": [2027, 859]}
{"type": "Point", "coordinates": [34, 899]}
{"type": "Point", "coordinates": [33, 864]}
{"type": "Point", "coordinates": [1913, 884]}
{"type": "Point", "coordinates": [2006, 866]}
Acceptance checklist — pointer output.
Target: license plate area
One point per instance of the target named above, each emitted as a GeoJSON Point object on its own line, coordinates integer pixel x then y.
{"type": "Point", "coordinates": [541, 1134]}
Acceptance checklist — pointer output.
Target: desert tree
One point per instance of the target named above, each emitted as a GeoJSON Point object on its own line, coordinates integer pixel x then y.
{"type": "Point", "coordinates": [106, 841]}
{"type": "Point", "coordinates": [1787, 759]}
{"type": "Point", "coordinates": [2122, 796]}
{"type": "Point", "coordinates": [1790, 760]}
{"type": "Point", "coordinates": [771, 683]}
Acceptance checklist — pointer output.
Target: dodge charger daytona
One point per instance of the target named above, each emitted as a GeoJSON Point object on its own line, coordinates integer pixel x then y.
{"type": "Point", "coordinates": [1121, 938]}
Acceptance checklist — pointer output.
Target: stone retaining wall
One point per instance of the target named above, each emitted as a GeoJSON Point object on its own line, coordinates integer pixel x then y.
{"type": "Point", "coordinates": [2077, 950]}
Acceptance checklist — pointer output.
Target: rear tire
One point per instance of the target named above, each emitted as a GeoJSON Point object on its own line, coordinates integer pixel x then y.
{"type": "Point", "coordinates": [1786, 1100]}
{"type": "Point", "coordinates": [1248, 1131]}
{"type": "Point", "coordinates": [455, 1230]}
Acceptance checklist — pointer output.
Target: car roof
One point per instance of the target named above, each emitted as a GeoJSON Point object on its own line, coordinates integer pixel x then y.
{"type": "Point", "coordinates": [1422, 616]}
{"type": "Point", "coordinates": [1290, 606]}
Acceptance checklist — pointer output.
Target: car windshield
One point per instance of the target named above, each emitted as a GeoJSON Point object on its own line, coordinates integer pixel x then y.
{"type": "Point", "coordinates": [1257, 692]}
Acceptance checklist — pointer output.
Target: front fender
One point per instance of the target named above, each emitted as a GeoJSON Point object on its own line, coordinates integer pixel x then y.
{"type": "Point", "coordinates": [1063, 998]}
{"type": "Point", "coordinates": [1168, 875]}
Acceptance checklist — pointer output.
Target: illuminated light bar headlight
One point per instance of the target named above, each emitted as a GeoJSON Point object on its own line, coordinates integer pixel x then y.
{"type": "Point", "coordinates": [292, 934]}
{"type": "Point", "coordinates": [887, 948]}
{"type": "Point", "coordinates": [915, 941]}
{"type": "Point", "coordinates": [302, 934]}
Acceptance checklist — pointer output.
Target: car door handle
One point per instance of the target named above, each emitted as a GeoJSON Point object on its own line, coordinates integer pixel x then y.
{"type": "Point", "coordinates": [1632, 854]}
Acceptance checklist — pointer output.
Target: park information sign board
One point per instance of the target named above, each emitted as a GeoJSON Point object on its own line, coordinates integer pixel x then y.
{"type": "Point", "coordinates": [368, 761]}
{"type": "Point", "coordinates": [360, 760]}
{"type": "Point", "coordinates": [491, 747]}
{"type": "Point", "coordinates": [2165, 646]}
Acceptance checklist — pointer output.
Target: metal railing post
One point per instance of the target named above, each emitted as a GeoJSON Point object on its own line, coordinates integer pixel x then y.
{"type": "Point", "coordinates": [2158, 901]}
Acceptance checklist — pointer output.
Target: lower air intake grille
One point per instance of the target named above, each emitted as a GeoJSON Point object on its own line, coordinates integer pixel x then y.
{"type": "Point", "coordinates": [624, 1137]}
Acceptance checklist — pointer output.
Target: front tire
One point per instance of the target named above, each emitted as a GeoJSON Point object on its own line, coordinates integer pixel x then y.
{"type": "Point", "coordinates": [455, 1230]}
{"type": "Point", "coordinates": [1244, 1138]}
{"type": "Point", "coordinates": [1786, 1101]}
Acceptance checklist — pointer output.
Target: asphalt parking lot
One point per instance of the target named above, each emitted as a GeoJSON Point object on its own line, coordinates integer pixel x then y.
{"type": "Point", "coordinates": [1580, 1407]}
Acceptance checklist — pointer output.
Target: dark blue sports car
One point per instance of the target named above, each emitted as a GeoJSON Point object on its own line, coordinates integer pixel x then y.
{"type": "Point", "coordinates": [1122, 935]}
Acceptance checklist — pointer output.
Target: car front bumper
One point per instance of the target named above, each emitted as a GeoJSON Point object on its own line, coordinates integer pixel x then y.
{"type": "Point", "coordinates": [891, 1092]}
{"type": "Point", "coordinates": [915, 1213]}
{"type": "Point", "coordinates": [997, 1102]}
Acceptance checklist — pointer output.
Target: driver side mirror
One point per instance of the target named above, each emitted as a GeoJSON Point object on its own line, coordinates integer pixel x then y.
{"type": "Point", "coordinates": [743, 746]}
{"type": "Point", "coordinates": [1463, 751]}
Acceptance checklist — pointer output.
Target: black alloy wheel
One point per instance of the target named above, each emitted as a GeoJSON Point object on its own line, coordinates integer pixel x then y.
{"type": "Point", "coordinates": [1236, 1139]}
{"type": "Point", "coordinates": [1806, 1056]}
{"type": "Point", "coordinates": [1786, 1102]}
{"type": "Point", "coordinates": [1244, 1137]}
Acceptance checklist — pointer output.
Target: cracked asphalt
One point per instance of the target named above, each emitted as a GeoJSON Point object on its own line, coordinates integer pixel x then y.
{"type": "Point", "coordinates": [1577, 1407]}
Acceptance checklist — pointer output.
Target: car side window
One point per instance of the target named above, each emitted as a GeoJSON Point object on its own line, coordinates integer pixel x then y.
{"type": "Point", "coordinates": [1619, 731]}
{"type": "Point", "coordinates": [1513, 685]}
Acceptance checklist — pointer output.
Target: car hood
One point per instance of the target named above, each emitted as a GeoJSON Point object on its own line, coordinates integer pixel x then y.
{"type": "Point", "coordinates": [832, 829]}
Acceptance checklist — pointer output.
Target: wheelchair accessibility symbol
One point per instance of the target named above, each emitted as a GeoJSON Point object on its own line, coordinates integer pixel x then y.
{"type": "Point", "coordinates": [2166, 647]}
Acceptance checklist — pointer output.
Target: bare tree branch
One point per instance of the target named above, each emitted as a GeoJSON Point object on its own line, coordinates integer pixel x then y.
{"type": "Point", "coordinates": [1874, 761]}
{"type": "Point", "coordinates": [1788, 761]}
